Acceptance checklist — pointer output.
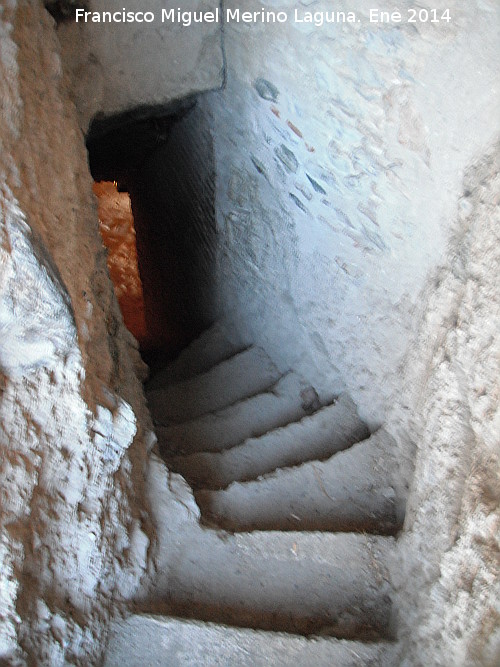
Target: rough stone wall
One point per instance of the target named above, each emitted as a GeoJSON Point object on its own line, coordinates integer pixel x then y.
{"type": "Point", "coordinates": [449, 552]}
{"type": "Point", "coordinates": [74, 431]}
{"type": "Point", "coordinates": [340, 153]}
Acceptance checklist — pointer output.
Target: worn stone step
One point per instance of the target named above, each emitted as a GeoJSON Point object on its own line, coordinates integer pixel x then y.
{"type": "Point", "coordinates": [351, 491]}
{"type": "Point", "coordinates": [241, 376]}
{"type": "Point", "coordinates": [289, 400]}
{"type": "Point", "coordinates": [303, 583]}
{"type": "Point", "coordinates": [161, 641]}
{"type": "Point", "coordinates": [319, 436]}
{"type": "Point", "coordinates": [216, 344]}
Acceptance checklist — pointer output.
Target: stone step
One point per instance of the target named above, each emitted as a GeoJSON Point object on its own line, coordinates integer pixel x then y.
{"type": "Point", "coordinates": [316, 437]}
{"type": "Point", "coordinates": [216, 344]}
{"type": "Point", "coordinates": [351, 491]}
{"type": "Point", "coordinates": [160, 641]}
{"type": "Point", "coordinates": [302, 583]}
{"type": "Point", "coordinates": [289, 400]}
{"type": "Point", "coordinates": [245, 374]}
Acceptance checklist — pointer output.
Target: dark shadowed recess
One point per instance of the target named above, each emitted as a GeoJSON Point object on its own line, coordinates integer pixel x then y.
{"type": "Point", "coordinates": [163, 157]}
{"type": "Point", "coordinates": [64, 10]}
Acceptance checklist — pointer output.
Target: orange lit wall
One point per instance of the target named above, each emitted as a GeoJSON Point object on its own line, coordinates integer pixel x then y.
{"type": "Point", "coordinates": [117, 230]}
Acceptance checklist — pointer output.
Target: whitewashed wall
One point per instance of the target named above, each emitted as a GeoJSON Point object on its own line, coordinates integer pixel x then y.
{"type": "Point", "coordinates": [340, 159]}
{"type": "Point", "coordinates": [116, 67]}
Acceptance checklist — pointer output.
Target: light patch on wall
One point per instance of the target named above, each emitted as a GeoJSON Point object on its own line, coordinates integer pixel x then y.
{"type": "Point", "coordinates": [116, 224]}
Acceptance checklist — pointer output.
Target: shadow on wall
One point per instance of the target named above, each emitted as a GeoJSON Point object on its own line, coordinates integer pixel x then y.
{"type": "Point", "coordinates": [165, 162]}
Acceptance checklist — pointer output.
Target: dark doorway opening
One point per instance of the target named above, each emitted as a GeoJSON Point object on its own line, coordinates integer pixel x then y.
{"type": "Point", "coordinates": [163, 158]}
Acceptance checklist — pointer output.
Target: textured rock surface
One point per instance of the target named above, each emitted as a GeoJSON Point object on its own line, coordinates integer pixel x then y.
{"type": "Point", "coordinates": [167, 642]}
{"type": "Point", "coordinates": [282, 575]}
{"type": "Point", "coordinates": [74, 431]}
{"type": "Point", "coordinates": [117, 67]}
{"type": "Point", "coordinates": [448, 571]}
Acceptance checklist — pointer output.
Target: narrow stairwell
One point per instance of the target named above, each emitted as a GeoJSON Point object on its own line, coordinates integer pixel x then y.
{"type": "Point", "coordinates": [285, 559]}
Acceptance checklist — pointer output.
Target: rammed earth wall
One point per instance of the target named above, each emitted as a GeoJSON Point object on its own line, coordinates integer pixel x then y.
{"type": "Point", "coordinates": [448, 568]}
{"type": "Point", "coordinates": [74, 430]}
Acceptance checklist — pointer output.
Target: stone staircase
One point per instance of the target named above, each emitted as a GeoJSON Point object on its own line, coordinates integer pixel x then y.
{"type": "Point", "coordinates": [285, 557]}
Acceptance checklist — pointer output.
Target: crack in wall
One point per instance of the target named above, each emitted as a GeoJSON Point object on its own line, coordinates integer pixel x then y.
{"type": "Point", "coordinates": [223, 46]}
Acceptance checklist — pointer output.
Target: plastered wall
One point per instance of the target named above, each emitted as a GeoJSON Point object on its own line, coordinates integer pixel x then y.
{"type": "Point", "coordinates": [164, 61]}
{"type": "Point", "coordinates": [340, 157]}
